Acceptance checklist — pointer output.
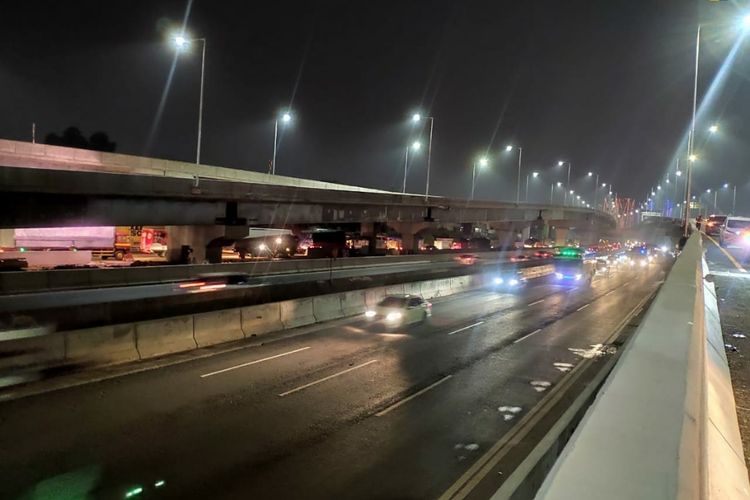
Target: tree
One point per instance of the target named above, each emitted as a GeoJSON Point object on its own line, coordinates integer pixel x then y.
{"type": "Point", "coordinates": [72, 137]}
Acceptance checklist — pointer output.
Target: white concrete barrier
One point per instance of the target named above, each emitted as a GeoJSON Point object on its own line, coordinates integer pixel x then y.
{"type": "Point", "coordinates": [297, 312]}
{"type": "Point", "coordinates": [102, 345]}
{"type": "Point", "coordinates": [47, 350]}
{"type": "Point", "coordinates": [394, 289]}
{"type": "Point", "coordinates": [327, 307]}
{"type": "Point", "coordinates": [429, 289]}
{"type": "Point", "coordinates": [413, 288]}
{"type": "Point", "coordinates": [374, 295]}
{"type": "Point", "coordinates": [664, 425]}
{"type": "Point", "coordinates": [164, 336]}
{"type": "Point", "coordinates": [352, 303]}
{"type": "Point", "coordinates": [217, 327]}
{"type": "Point", "coordinates": [260, 319]}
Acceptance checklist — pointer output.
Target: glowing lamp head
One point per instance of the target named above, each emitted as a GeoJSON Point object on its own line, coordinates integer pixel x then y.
{"type": "Point", "coordinates": [559, 184]}
{"type": "Point", "coordinates": [590, 174]}
{"type": "Point", "coordinates": [508, 148]}
{"type": "Point", "coordinates": [560, 163]}
{"type": "Point", "coordinates": [416, 117]}
{"type": "Point", "coordinates": [726, 185]}
{"type": "Point", "coordinates": [535, 174]}
{"type": "Point", "coordinates": [180, 41]}
{"type": "Point", "coordinates": [678, 173]}
{"type": "Point", "coordinates": [713, 129]}
{"type": "Point", "coordinates": [693, 157]}
{"type": "Point", "coordinates": [286, 117]}
{"type": "Point", "coordinates": [483, 161]}
{"type": "Point", "coordinates": [746, 22]}
{"type": "Point", "coordinates": [416, 145]}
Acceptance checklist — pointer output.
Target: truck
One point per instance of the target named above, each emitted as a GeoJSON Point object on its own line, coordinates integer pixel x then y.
{"type": "Point", "coordinates": [104, 242]}
{"type": "Point", "coordinates": [266, 242]}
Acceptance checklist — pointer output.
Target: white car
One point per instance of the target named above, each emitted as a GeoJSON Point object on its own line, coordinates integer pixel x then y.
{"type": "Point", "coordinates": [159, 249]}
{"type": "Point", "coordinates": [398, 310]}
{"type": "Point", "coordinates": [735, 232]}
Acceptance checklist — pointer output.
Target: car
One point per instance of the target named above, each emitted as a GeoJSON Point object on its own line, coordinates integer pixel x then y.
{"type": "Point", "coordinates": [507, 280]}
{"type": "Point", "coordinates": [399, 310]}
{"type": "Point", "coordinates": [544, 254]}
{"type": "Point", "coordinates": [158, 248]}
{"type": "Point", "coordinates": [210, 282]}
{"type": "Point", "coordinates": [639, 257]}
{"type": "Point", "coordinates": [735, 232]}
{"type": "Point", "coordinates": [520, 258]}
{"type": "Point", "coordinates": [714, 224]}
{"type": "Point", "coordinates": [467, 259]}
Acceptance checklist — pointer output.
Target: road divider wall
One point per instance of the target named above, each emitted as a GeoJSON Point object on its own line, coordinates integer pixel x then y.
{"type": "Point", "coordinates": [111, 344]}
{"type": "Point", "coordinates": [261, 319]}
{"type": "Point", "coordinates": [664, 424]}
{"type": "Point", "coordinates": [67, 279]}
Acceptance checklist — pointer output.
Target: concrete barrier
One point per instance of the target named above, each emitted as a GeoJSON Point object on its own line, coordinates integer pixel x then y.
{"type": "Point", "coordinates": [352, 303]}
{"type": "Point", "coordinates": [664, 425]}
{"type": "Point", "coordinates": [412, 288]}
{"type": "Point", "coordinates": [217, 327]}
{"type": "Point", "coordinates": [327, 307]}
{"type": "Point", "coordinates": [102, 345]}
{"type": "Point", "coordinates": [460, 284]}
{"type": "Point", "coordinates": [164, 336]}
{"type": "Point", "coordinates": [394, 289]}
{"type": "Point", "coordinates": [429, 289]}
{"type": "Point", "coordinates": [374, 295]}
{"type": "Point", "coordinates": [260, 319]}
{"type": "Point", "coordinates": [297, 312]}
{"type": "Point", "coordinates": [46, 350]}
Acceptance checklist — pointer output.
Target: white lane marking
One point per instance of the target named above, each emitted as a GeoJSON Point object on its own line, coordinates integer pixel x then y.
{"type": "Point", "coordinates": [409, 398]}
{"type": "Point", "coordinates": [254, 362]}
{"type": "Point", "coordinates": [583, 307]}
{"type": "Point", "coordinates": [329, 377]}
{"type": "Point", "coordinates": [728, 255]}
{"type": "Point", "coordinates": [609, 292]}
{"type": "Point", "coordinates": [466, 328]}
{"type": "Point", "coordinates": [527, 335]}
{"type": "Point", "coordinates": [535, 303]}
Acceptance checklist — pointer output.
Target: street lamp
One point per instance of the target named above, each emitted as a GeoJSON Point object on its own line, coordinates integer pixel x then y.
{"type": "Point", "coordinates": [181, 42]}
{"type": "Point", "coordinates": [713, 129]}
{"type": "Point", "coordinates": [416, 146]}
{"type": "Point", "coordinates": [552, 191]}
{"type": "Point", "coordinates": [508, 149]}
{"type": "Point", "coordinates": [534, 175]}
{"type": "Point", "coordinates": [286, 118]}
{"type": "Point", "coordinates": [567, 184]}
{"type": "Point", "coordinates": [482, 162]}
{"type": "Point", "coordinates": [417, 118]}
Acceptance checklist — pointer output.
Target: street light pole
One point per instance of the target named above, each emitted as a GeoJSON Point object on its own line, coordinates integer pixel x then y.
{"type": "Point", "coordinates": [526, 196]}
{"type": "Point", "coordinates": [518, 177]}
{"type": "Point", "coordinates": [275, 142]}
{"type": "Point", "coordinates": [551, 192]}
{"type": "Point", "coordinates": [691, 137]}
{"type": "Point", "coordinates": [482, 163]}
{"type": "Point", "coordinates": [200, 101]}
{"type": "Point", "coordinates": [734, 197]}
{"type": "Point", "coordinates": [429, 158]}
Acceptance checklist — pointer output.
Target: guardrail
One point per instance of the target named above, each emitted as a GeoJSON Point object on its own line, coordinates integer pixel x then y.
{"type": "Point", "coordinates": [664, 424]}
{"type": "Point", "coordinates": [67, 279]}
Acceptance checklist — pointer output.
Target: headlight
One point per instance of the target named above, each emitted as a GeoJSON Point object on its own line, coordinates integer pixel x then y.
{"type": "Point", "coordinates": [498, 281]}
{"type": "Point", "coordinates": [369, 314]}
{"type": "Point", "coordinates": [644, 263]}
{"type": "Point", "coordinates": [513, 282]}
{"type": "Point", "coordinates": [579, 276]}
{"type": "Point", "coordinates": [393, 316]}
{"type": "Point", "coordinates": [664, 248]}
{"type": "Point", "coordinates": [559, 276]}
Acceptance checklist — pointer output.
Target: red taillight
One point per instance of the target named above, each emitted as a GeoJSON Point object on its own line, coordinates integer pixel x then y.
{"type": "Point", "coordinates": [192, 284]}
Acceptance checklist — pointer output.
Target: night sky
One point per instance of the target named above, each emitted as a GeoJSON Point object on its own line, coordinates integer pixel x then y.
{"type": "Point", "coordinates": [607, 85]}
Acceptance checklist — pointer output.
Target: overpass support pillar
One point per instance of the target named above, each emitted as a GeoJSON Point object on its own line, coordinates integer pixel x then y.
{"type": "Point", "coordinates": [195, 237]}
{"type": "Point", "coordinates": [408, 231]}
{"type": "Point", "coordinates": [7, 237]}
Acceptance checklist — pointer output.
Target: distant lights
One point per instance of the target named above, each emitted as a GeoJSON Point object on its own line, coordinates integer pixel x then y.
{"type": "Point", "coordinates": [416, 145]}
{"type": "Point", "coordinates": [535, 174]}
{"type": "Point", "coordinates": [286, 117]}
{"type": "Point", "coordinates": [693, 157]}
{"type": "Point", "coordinates": [559, 184]}
{"type": "Point", "coordinates": [560, 163]}
{"type": "Point", "coordinates": [708, 190]}
{"type": "Point", "coordinates": [713, 128]}
{"type": "Point", "coordinates": [483, 161]}
{"type": "Point", "coordinates": [416, 117]}
{"type": "Point", "coordinates": [678, 173]}
{"type": "Point", "coordinates": [508, 148]}
{"type": "Point", "coordinates": [604, 184]}
{"type": "Point", "coordinates": [726, 185]}
{"type": "Point", "coordinates": [590, 174]}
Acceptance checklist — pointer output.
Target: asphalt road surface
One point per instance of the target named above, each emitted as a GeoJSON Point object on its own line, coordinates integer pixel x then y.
{"type": "Point", "coordinates": [71, 298]}
{"type": "Point", "coordinates": [344, 411]}
{"type": "Point", "coordinates": [730, 268]}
